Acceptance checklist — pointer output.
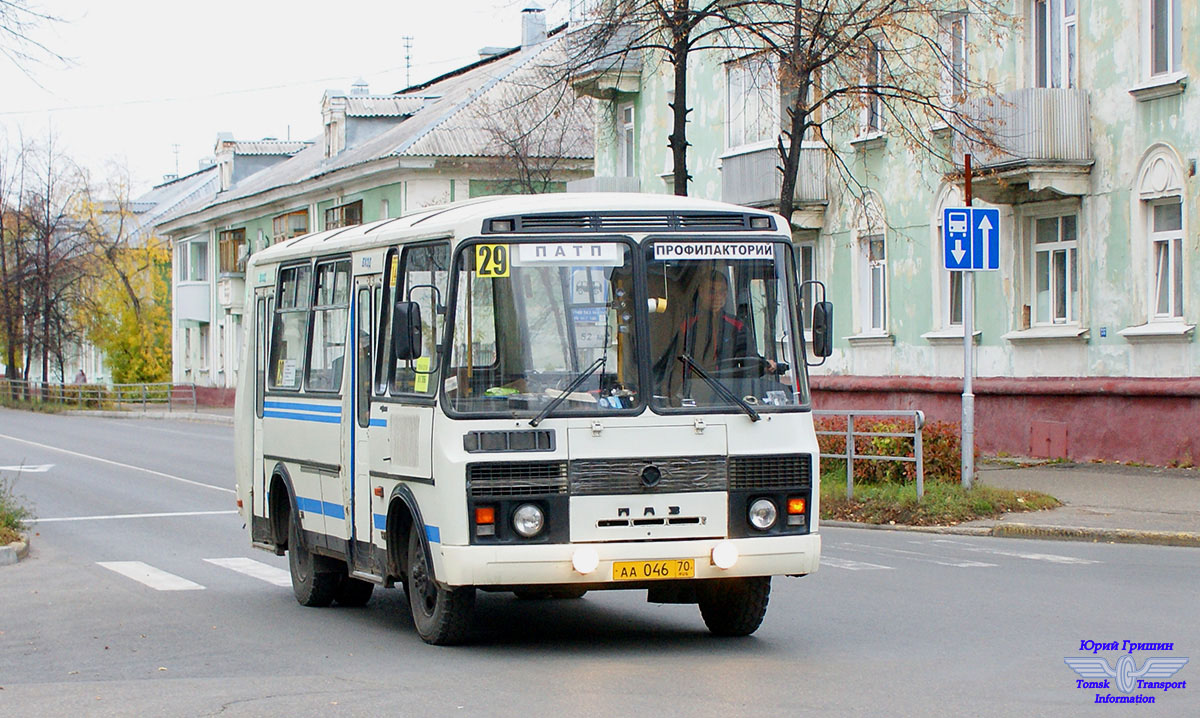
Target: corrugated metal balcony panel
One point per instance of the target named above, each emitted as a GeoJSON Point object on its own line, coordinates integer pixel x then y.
{"type": "Point", "coordinates": [1031, 125]}
{"type": "Point", "coordinates": [753, 178]}
{"type": "Point", "coordinates": [605, 184]}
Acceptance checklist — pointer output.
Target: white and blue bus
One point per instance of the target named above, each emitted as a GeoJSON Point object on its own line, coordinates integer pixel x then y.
{"type": "Point", "coordinates": [546, 395]}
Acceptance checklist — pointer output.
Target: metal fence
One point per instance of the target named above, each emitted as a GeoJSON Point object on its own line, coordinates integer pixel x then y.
{"type": "Point", "coordinates": [166, 395]}
{"type": "Point", "coordinates": [850, 433]}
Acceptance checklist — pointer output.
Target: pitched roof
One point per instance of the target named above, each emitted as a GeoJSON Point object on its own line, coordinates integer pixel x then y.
{"type": "Point", "coordinates": [270, 147]}
{"type": "Point", "coordinates": [385, 105]}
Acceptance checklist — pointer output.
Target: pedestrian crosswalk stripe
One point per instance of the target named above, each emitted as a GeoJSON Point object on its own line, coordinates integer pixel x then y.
{"type": "Point", "coordinates": [150, 576]}
{"type": "Point", "coordinates": [254, 569]}
{"type": "Point", "coordinates": [913, 556]}
{"type": "Point", "coordinates": [834, 562]}
{"type": "Point", "coordinates": [1051, 557]}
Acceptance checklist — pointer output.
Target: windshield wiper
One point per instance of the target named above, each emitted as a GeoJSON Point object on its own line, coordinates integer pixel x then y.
{"type": "Point", "coordinates": [570, 388]}
{"type": "Point", "coordinates": [719, 386]}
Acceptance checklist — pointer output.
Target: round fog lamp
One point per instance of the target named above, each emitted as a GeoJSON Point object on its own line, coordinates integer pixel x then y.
{"type": "Point", "coordinates": [528, 520]}
{"type": "Point", "coordinates": [585, 560]}
{"type": "Point", "coordinates": [724, 555]}
{"type": "Point", "coordinates": [763, 514]}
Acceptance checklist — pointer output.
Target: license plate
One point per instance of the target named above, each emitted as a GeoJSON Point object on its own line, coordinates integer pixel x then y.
{"type": "Point", "coordinates": [653, 570]}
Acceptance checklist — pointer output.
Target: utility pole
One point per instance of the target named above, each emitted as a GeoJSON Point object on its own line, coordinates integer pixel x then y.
{"type": "Point", "coordinates": [968, 396]}
{"type": "Point", "coordinates": [407, 60]}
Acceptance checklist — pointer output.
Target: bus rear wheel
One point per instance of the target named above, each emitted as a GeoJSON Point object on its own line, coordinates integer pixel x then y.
{"type": "Point", "coordinates": [314, 581]}
{"type": "Point", "coordinates": [442, 616]}
{"type": "Point", "coordinates": [734, 606]}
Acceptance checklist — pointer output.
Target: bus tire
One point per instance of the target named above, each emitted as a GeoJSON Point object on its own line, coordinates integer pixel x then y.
{"type": "Point", "coordinates": [353, 592]}
{"type": "Point", "coordinates": [442, 616]}
{"type": "Point", "coordinates": [734, 606]}
{"type": "Point", "coordinates": [313, 582]}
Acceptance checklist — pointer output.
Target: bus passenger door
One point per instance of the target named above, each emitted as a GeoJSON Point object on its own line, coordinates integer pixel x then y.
{"type": "Point", "coordinates": [360, 499]}
{"type": "Point", "coordinates": [258, 353]}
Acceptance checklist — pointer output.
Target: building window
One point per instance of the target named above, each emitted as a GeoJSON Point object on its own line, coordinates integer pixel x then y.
{"type": "Point", "coordinates": [1054, 42]}
{"type": "Point", "coordinates": [231, 250]}
{"type": "Point", "coordinates": [950, 282]}
{"type": "Point", "coordinates": [203, 347]}
{"type": "Point", "coordinates": [752, 101]}
{"type": "Point", "coordinates": [291, 224]}
{"type": "Point", "coordinates": [625, 141]}
{"type": "Point", "coordinates": [873, 120]}
{"type": "Point", "coordinates": [1166, 256]}
{"type": "Point", "coordinates": [806, 253]}
{"type": "Point", "coordinates": [954, 49]}
{"type": "Point", "coordinates": [1165, 36]}
{"type": "Point", "coordinates": [193, 261]}
{"type": "Point", "coordinates": [873, 245]}
{"type": "Point", "coordinates": [344, 215]}
{"type": "Point", "coordinates": [1055, 270]}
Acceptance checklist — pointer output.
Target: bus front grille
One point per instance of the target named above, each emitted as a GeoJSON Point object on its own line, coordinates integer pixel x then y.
{"type": "Point", "coordinates": [627, 476]}
{"type": "Point", "coordinates": [517, 478]}
{"type": "Point", "coordinates": [773, 471]}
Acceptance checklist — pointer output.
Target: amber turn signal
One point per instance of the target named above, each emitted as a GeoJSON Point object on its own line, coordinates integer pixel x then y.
{"type": "Point", "coordinates": [485, 515]}
{"type": "Point", "coordinates": [796, 506]}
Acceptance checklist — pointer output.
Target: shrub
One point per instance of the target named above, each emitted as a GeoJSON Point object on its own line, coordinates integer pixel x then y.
{"type": "Point", "coordinates": [12, 512]}
{"type": "Point", "coordinates": [940, 449]}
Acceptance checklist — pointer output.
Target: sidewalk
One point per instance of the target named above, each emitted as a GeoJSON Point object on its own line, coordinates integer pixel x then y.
{"type": "Point", "coordinates": [1102, 502]}
{"type": "Point", "coordinates": [203, 414]}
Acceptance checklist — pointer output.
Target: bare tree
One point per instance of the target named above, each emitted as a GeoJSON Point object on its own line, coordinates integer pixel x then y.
{"type": "Point", "coordinates": [848, 66]}
{"type": "Point", "coordinates": [12, 265]}
{"type": "Point", "coordinates": [538, 126]}
{"type": "Point", "coordinates": [19, 22]}
{"type": "Point", "coordinates": [615, 35]}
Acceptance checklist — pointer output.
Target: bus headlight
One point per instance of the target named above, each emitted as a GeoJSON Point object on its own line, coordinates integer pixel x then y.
{"type": "Point", "coordinates": [763, 514]}
{"type": "Point", "coordinates": [528, 520]}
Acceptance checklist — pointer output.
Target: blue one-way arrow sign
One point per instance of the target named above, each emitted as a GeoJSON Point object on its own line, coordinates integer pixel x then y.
{"type": "Point", "coordinates": [971, 238]}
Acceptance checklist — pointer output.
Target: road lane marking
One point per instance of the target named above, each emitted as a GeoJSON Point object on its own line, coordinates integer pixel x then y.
{"type": "Point", "coordinates": [833, 562]}
{"type": "Point", "coordinates": [914, 556]}
{"type": "Point", "coordinates": [117, 463]}
{"type": "Point", "coordinates": [29, 468]}
{"type": "Point", "coordinates": [1051, 557]}
{"type": "Point", "coordinates": [255, 569]}
{"type": "Point", "coordinates": [132, 516]}
{"type": "Point", "coordinates": [154, 578]}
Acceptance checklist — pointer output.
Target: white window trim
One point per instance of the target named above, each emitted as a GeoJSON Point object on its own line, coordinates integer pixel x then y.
{"type": "Point", "coordinates": [1160, 177]}
{"type": "Point", "coordinates": [626, 150]}
{"type": "Point", "coordinates": [1058, 56]}
{"type": "Point", "coordinates": [947, 24]}
{"type": "Point", "coordinates": [1173, 62]}
{"type": "Point", "coordinates": [949, 197]}
{"type": "Point", "coordinates": [870, 223]}
{"type": "Point", "coordinates": [1152, 278]}
{"type": "Point", "coordinates": [866, 132]}
{"type": "Point", "coordinates": [1029, 219]}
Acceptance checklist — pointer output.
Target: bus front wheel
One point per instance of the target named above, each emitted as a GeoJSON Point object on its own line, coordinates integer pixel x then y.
{"type": "Point", "coordinates": [734, 606]}
{"type": "Point", "coordinates": [442, 616]}
{"type": "Point", "coordinates": [314, 581]}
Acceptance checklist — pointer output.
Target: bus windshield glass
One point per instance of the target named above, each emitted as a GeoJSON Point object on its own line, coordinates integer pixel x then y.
{"type": "Point", "coordinates": [532, 320]}
{"type": "Point", "coordinates": [721, 326]}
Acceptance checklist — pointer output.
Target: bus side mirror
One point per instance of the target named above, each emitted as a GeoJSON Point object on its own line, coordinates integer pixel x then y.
{"type": "Point", "coordinates": [822, 329]}
{"type": "Point", "coordinates": [406, 330]}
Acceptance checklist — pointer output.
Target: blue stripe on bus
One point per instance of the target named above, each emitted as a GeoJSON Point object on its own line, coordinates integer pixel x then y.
{"type": "Point", "coordinates": [323, 408]}
{"type": "Point", "coordinates": [380, 521]}
{"type": "Point", "coordinates": [378, 422]}
{"type": "Point", "coordinates": [316, 506]}
{"type": "Point", "coordinates": [302, 417]}
{"type": "Point", "coordinates": [433, 534]}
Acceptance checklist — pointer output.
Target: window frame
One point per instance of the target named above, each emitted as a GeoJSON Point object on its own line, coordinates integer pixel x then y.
{"type": "Point", "coordinates": [281, 221]}
{"type": "Point", "coordinates": [873, 115]}
{"type": "Point", "coordinates": [231, 252]}
{"type": "Point", "coordinates": [626, 140]}
{"type": "Point", "coordinates": [1054, 41]}
{"type": "Point", "coordinates": [1073, 298]}
{"type": "Point", "coordinates": [383, 377]}
{"type": "Point", "coordinates": [1173, 241]}
{"type": "Point", "coordinates": [275, 309]}
{"type": "Point", "coordinates": [758, 78]}
{"type": "Point", "coordinates": [313, 308]}
{"type": "Point", "coordinates": [956, 67]}
{"type": "Point", "coordinates": [338, 216]}
{"type": "Point", "coordinates": [1173, 39]}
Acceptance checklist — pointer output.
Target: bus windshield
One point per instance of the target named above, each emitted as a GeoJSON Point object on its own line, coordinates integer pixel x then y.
{"type": "Point", "coordinates": [534, 319]}
{"type": "Point", "coordinates": [721, 329]}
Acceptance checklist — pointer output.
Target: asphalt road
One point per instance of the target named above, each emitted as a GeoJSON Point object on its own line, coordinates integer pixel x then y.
{"type": "Point", "coordinates": [143, 597]}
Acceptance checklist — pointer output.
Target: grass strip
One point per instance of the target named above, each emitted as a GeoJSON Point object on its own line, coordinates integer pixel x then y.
{"type": "Point", "coordinates": [944, 503]}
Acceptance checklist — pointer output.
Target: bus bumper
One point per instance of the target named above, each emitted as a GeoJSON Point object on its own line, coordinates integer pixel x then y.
{"type": "Point", "coordinates": [518, 565]}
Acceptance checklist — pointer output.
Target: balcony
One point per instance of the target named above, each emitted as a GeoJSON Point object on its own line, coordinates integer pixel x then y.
{"type": "Point", "coordinates": [752, 179]}
{"type": "Point", "coordinates": [605, 184]}
{"type": "Point", "coordinates": [1039, 149]}
{"type": "Point", "coordinates": [231, 291]}
{"type": "Point", "coordinates": [192, 301]}
{"type": "Point", "coordinates": [600, 68]}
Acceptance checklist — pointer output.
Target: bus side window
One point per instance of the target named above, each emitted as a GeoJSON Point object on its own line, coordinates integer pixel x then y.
{"type": "Point", "coordinates": [330, 311]}
{"type": "Point", "coordinates": [290, 328]}
{"type": "Point", "coordinates": [383, 346]}
{"type": "Point", "coordinates": [362, 381]}
{"type": "Point", "coordinates": [260, 359]}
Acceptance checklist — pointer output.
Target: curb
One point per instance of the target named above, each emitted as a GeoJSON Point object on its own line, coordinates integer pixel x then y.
{"type": "Point", "coordinates": [14, 552]}
{"type": "Point", "coordinates": [1054, 533]}
{"type": "Point", "coordinates": [179, 415]}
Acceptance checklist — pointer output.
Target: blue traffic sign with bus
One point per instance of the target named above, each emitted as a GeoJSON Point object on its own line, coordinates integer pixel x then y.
{"type": "Point", "coordinates": [971, 238]}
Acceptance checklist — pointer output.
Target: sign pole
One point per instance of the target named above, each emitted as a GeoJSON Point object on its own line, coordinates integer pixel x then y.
{"type": "Point", "coordinates": [968, 397]}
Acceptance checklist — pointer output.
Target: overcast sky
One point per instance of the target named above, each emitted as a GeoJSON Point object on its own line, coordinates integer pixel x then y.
{"type": "Point", "coordinates": [147, 75]}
